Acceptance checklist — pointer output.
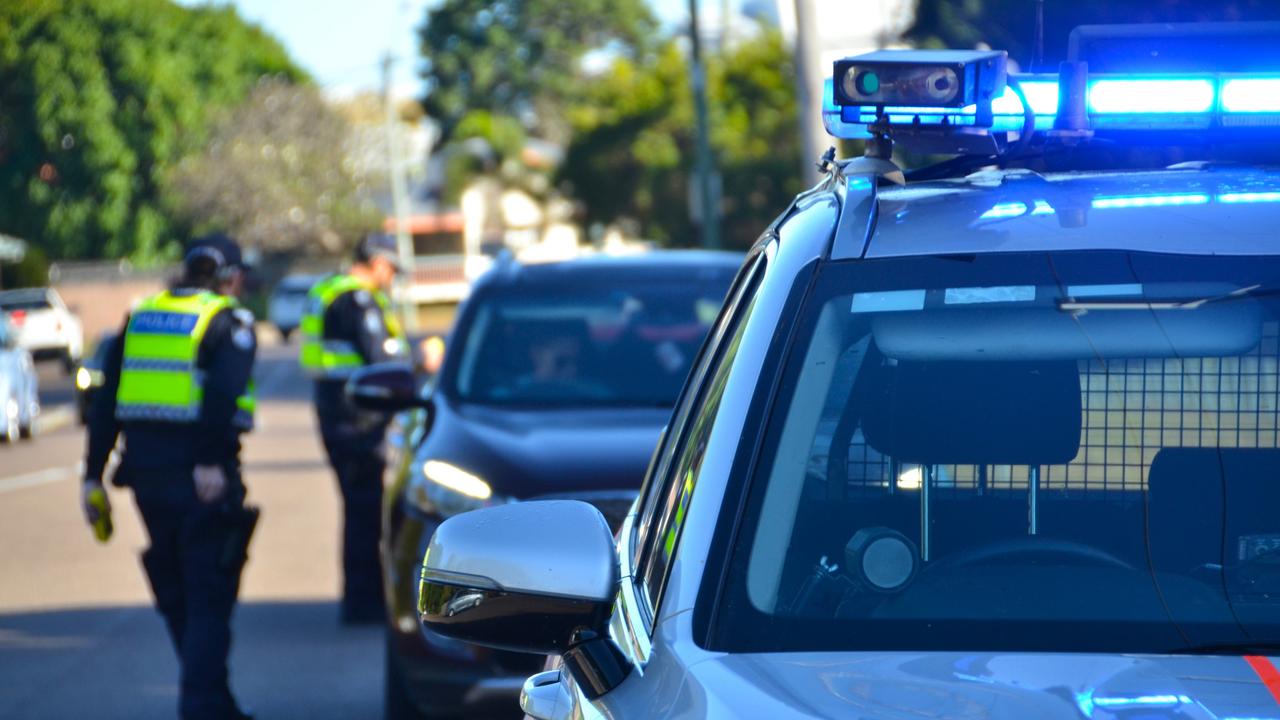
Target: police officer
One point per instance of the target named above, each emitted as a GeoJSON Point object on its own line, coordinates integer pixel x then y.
{"type": "Point", "coordinates": [177, 386]}
{"type": "Point", "coordinates": [349, 324]}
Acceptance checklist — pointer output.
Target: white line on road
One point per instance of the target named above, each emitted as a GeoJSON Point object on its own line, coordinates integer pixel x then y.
{"type": "Point", "coordinates": [39, 477]}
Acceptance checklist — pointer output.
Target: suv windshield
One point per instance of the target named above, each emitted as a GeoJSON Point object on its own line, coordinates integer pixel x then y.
{"type": "Point", "coordinates": [1020, 452]}
{"type": "Point", "coordinates": [620, 347]}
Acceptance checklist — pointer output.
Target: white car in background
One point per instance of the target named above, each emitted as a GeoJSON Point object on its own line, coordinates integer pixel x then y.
{"type": "Point", "coordinates": [45, 327]}
{"type": "Point", "coordinates": [19, 402]}
{"type": "Point", "coordinates": [288, 303]}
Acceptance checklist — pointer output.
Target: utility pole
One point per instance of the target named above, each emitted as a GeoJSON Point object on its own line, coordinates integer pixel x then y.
{"type": "Point", "coordinates": [704, 165]}
{"type": "Point", "coordinates": [809, 88]}
{"type": "Point", "coordinates": [726, 30]}
{"type": "Point", "coordinates": [399, 196]}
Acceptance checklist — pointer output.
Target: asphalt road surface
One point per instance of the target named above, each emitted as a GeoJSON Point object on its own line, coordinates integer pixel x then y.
{"type": "Point", "coordinates": [78, 636]}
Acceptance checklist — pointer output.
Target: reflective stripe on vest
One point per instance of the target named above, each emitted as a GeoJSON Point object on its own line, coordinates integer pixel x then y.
{"type": "Point", "coordinates": [159, 380]}
{"type": "Point", "coordinates": [246, 406]}
{"type": "Point", "coordinates": [336, 359]}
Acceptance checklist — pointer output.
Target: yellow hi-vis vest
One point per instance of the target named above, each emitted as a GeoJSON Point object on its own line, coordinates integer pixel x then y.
{"type": "Point", "coordinates": [337, 359]}
{"type": "Point", "coordinates": [159, 380]}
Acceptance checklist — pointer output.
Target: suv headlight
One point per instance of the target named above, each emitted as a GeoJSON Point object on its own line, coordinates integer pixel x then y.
{"type": "Point", "coordinates": [445, 489]}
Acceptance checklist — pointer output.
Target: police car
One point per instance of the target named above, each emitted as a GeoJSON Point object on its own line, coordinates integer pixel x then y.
{"type": "Point", "coordinates": [997, 444]}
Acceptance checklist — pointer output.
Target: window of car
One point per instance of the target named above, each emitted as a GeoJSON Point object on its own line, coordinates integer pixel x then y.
{"type": "Point", "coordinates": [1070, 451]}
{"type": "Point", "coordinates": [676, 474]}
{"type": "Point", "coordinates": [26, 300]}
{"type": "Point", "coordinates": [616, 344]}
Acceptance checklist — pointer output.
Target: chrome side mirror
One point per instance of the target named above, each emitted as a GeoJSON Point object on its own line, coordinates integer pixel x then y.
{"type": "Point", "coordinates": [537, 577]}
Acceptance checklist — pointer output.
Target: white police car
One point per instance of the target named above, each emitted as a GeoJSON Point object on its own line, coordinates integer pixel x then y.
{"type": "Point", "coordinates": [997, 445]}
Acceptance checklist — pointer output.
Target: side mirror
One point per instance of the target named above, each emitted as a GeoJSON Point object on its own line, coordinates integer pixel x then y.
{"type": "Point", "coordinates": [536, 577]}
{"type": "Point", "coordinates": [386, 387]}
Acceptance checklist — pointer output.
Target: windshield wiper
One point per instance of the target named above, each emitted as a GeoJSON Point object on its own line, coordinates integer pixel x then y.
{"type": "Point", "coordinates": [1248, 647]}
{"type": "Point", "coordinates": [1066, 305]}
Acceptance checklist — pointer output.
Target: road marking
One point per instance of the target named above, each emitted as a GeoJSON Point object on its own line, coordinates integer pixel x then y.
{"type": "Point", "coordinates": [39, 477]}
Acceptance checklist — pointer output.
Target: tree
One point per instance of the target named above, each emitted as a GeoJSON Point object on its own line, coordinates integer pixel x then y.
{"type": "Point", "coordinates": [276, 174]}
{"type": "Point", "coordinates": [1010, 24]}
{"type": "Point", "coordinates": [631, 154]}
{"type": "Point", "coordinates": [521, 58]}
{"type": "Point", "coordinates": [98, 98]}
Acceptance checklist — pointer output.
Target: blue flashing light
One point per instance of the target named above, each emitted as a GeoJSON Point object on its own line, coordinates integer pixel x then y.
{"type": "Point", "coordinates": [1151, 96]}
{"type": "Point", "coordinates": [1141, 201]}
{"type": "Point", "coordinates": [1251, 95]}
{"type": "Point", "coordinates": [1249, 197]}
{"type": "Point", "coordinates": [1116, 102]}
{"type": "Point", "coordinates": [1042, 96]}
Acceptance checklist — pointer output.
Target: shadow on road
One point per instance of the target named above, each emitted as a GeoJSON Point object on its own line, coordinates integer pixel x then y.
{"type": "Point", "coordinates": [290, 660]}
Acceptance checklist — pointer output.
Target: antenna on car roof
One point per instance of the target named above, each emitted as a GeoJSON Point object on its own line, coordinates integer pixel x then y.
{"type": "Point", "coordinates": [1037, 53]}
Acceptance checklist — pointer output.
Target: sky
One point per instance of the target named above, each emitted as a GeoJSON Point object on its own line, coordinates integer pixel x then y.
{"type": "Point", "coordinates": [342, 42]}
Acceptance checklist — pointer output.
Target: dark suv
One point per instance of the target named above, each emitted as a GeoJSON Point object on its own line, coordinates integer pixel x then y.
{"type": "Point", "coordinates": [557, 382]}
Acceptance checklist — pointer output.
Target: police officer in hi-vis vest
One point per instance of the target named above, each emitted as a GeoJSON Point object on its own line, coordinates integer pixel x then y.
{"type": "Point", "coordinates": [178, 388]}
{"type": "Point", "coordinates": [349, 324]}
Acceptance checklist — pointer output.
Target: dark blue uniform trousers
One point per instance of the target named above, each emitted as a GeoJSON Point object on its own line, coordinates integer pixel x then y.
{"type": "Point", "coordinates": [357, 460]}
{"type": "Point", "coordinates": [194, 591]}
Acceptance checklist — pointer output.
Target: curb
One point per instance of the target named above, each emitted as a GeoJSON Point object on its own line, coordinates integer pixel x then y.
{"type": "Point", "coordinates": [55, 418]}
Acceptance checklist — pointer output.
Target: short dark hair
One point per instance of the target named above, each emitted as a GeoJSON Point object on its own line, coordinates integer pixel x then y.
{"type": "Point", "coordinates": [376, 245]}
{"type": "Point", "coordinates": [203, 273]}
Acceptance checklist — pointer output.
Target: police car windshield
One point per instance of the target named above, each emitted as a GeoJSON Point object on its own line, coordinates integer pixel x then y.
{"type": "Point", "coordinates": [1020, 452]}
{"type": "Point", "coordinates": [615, 347]}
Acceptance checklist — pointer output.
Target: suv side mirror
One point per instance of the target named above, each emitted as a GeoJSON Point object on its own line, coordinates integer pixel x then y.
{"type": "Point", "coordinates": [536, 577]}
{"type": "Point", "coordinates": [386, 387]}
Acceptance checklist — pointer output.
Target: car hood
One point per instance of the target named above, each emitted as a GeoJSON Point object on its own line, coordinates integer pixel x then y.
{"type": "Point", "coordinates": [525, 453]}
{"type": "Point", "coordinates": [977, 686]}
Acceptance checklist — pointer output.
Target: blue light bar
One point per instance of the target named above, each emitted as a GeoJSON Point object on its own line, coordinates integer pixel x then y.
{"type": "Point", "coordinates": [1115, 103]}
{"type": "Point", "coordinates": [1249, 197]}
{"type": "Point", "coordinates": [1251, 95]}
{"type": "Point", "coordinates": [1141, 97]}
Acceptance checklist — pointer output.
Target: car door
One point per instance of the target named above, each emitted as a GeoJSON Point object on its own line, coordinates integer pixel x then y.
{"type": "Point", "coordinates": [648, 539]}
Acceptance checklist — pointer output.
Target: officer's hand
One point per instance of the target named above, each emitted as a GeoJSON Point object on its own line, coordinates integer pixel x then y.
{"type": "Point", "coordinates": [211, 482]}
{"type": "Point", "coordinates": [90, 511]}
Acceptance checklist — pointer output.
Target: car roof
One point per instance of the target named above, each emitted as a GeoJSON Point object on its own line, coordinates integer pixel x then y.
{"type": "Point", "coordinates": [656, 265]}
{"type": "Point", "coordinates": [25, 294]}
{"type": "Point", "coordinates": [1198, 210]}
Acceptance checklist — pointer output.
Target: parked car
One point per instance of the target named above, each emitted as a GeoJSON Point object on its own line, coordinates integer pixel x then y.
{"type": "Point", "coordinates": [999, 444]}
{"type": "Point", "coordinates": [19, 387]}
{"type": "Point", "coordinates": [89, 377]}
{"type": "Point", "coordinates": [556, 381]}
{"type": "Point", "coordinates": [288, 302]}
{"type": "Point", "coordinates": [46, 328]}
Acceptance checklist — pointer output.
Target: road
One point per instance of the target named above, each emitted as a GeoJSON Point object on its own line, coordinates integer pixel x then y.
{"type": "Point", "coordinates": [78, 636]}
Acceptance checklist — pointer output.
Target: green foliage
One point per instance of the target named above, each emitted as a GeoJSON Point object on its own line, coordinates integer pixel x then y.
{"type": "Point", "coordinates": [631, 157]}
{"type": "Point", "coordinates": [275, 175]}
{"type": "Point", "coordinates": [31, 271]}
{"type": "Point", "coordinates": [520, 58]}
{"type": "Point", "coordinates": [98, 99]}
{"type": "Point", "coordinates": [1010, 24]}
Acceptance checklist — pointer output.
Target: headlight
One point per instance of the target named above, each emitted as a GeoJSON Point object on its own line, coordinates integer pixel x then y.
{"type": "Point", "coordinates": [448, 490]}
{"type": "Point", "coordinates": [83, 378]}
